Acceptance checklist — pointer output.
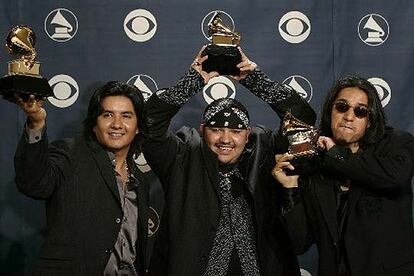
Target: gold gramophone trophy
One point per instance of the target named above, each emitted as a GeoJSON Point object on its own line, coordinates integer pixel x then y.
{"type": "Point", "coordinates": [223, 55]}
{"type": "Point", "coordinates": [302, 137]}
{"type": "Point", "coordinates": [23, 75]}
{"type": "Point", "coordinates": [303, 145]}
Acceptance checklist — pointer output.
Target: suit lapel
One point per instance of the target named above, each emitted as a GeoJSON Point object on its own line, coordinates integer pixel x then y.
{"type": "Point", "coordinates": [327, 202]}
{"type": "Point", "coordinates": [354, 194]}
{"type": "Point", "coordinates": [105, 167]}
{"type": "Point", "coordinates": [143, 202]}
{"type": "Point", "coordinates": [211, 165]}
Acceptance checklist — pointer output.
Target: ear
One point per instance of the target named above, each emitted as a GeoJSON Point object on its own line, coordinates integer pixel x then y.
{"type": "Point", "coordinates": [94, 129]}
{"type": "Point", "coordinates": [248, 130]}
{"type": "Point", "coordinates": [201, 128]}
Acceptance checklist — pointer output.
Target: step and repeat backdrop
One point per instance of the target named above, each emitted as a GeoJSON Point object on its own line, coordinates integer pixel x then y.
{"type": "Point", "coordinates": [82, 44]}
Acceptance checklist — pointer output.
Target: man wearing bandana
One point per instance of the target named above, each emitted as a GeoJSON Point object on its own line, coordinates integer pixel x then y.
{"type": "Point", "coordinates": [221, 206]}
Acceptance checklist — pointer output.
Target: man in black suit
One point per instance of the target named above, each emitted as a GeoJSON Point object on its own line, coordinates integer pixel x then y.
{"type": "Point", "coordinates": [92, 189]}
{"type": "Point", "coordinates": [357, 208]}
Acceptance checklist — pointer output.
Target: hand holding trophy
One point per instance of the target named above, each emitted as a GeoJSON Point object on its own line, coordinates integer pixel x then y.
{"type": "Point", "coordinates": [23, 76]}
{"type": "Point", "coordinates": [223, 54]}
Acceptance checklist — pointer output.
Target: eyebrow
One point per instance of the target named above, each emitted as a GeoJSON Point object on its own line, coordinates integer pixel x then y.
{"type": "Point", "coordinates": [122, 112]}
{"type": "Point", "coordinates": [344, 100]}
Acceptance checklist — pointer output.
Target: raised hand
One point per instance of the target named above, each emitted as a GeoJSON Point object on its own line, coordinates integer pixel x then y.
{"type": "Point", "coordinates": [279, 171]}
{"type": "Point", "coordinates": [246, 66]}
{"type": "Point", "coordinates": [325, 143]}
{"type": "Point", "coordinates": [34, 110]}
{"type": "Point", "coordinates": [197, 65]}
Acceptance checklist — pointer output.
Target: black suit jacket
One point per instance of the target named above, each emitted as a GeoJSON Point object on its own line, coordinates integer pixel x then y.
{"type": "Point", "coordinates": [188, 171]}
{"type": "Point", "coordinates": [76, 179]}
{"type": "Point", "coordinates": [378, 234]}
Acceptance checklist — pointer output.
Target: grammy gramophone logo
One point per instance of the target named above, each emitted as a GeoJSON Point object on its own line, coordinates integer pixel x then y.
{"type": "Point", "coordinates": [373, 29]}
{"type": "Point", "coordinates": [61, 25]}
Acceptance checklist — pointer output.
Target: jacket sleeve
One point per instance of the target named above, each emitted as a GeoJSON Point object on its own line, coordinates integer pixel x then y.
{"type": "Point", "coordinates": [161, 146]}
{"type": "Point", "coordinates": [387, 164]}
{"type": "Point", "coordinates": [280, 97]}
{"type": "Point", "coordinates": [40, 167]}
{"type": "Point", "coordinates": [295, 219]}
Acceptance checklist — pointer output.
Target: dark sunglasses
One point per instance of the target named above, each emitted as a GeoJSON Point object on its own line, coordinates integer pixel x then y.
{"type": "Point", "coordinates": [359, 111]}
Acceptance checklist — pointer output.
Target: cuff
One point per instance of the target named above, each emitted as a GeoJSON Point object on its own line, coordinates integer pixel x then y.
{"type": "Point", "coordinates": [34, 135]}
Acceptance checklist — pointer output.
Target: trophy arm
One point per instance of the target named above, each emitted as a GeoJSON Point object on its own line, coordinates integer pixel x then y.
{"type": "Point", "coordinates": [29, 60]}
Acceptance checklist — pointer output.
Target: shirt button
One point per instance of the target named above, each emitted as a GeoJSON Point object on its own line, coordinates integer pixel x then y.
{"type": "Point", "coordinates": [118, 220]}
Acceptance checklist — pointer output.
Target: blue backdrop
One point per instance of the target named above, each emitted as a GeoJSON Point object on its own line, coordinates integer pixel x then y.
{"type": "Point", "coordinates": [82, 44]}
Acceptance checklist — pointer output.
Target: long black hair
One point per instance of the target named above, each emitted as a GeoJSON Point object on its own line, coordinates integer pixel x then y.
{"type": "Point", "coordinates": [116, 88]}
{"type": "Point", "coordinates": [376, 113]}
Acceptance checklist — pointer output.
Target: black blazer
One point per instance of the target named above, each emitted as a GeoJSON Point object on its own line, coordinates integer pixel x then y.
{"type": "Point", "coordinates": [83, 210]}
{"type": "Point", "coordinates": [188, 171]}
{"type": "Point", "coordinates": [379, 235]}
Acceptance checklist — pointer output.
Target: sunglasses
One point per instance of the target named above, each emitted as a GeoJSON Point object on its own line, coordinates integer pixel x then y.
{"type": "Point", "coordinates": [359, 111]}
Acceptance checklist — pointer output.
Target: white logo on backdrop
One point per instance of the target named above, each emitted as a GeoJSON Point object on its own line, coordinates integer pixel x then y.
{"type": "Point", "coordinates": [145, 83]}
{"type": "Point", "coordinates": [294, 27]}
{"type": "Point", "coordinates": [61, 25]}
{"type": "Point", "coordinates": [65, 91]}
{"type": "Point", "coordinates": [142, 163]}
{"type": "Point", "coordinates": [227, 21]}
{"type": "Point", "coordinates": [302, 85]}
{"type": "Point", "coordinates": [153, 221]}
{"type": "Point", "coordinates": [140, 25]}
{"type": "Point", "coordinates": [304, 272]}
{"type": "Point", "coordinates": [219, 87]}
{"type": "Point", "coordinates": [373, 29]}
{"type": "Point", "coordinates": [383, 90]}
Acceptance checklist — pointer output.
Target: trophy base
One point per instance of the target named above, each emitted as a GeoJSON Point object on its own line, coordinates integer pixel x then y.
{"type": "Point", "coordinates": [222, 59]}
{"type": "Point", "coordinates": [24, 86]}
{"type": "Point", "coordinates": [304, 164]}
{"type": "Point", "coordinates": [18, 67]}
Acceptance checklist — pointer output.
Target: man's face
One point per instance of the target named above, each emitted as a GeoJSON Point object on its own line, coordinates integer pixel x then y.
{"type": "Point", "coordinates": [349, 126]}
{"type": "Point", "coordinates": [117, 125]}
{"type": "Point", "coordinates": [227, 143]}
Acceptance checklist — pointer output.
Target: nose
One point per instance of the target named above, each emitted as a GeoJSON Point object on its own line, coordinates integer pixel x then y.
{"type": "Point", "coordinates": [116, 122]}
{"type": "Point", "coordinates": [349, 115]}
{"type": "Point", "coordinates": [225, 136]}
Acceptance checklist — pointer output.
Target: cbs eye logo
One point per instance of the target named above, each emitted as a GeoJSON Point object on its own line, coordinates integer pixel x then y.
{"type": "Point", "coordinates": [61, 25]}
{"type": "Point", "coordinates": [217, 88]}
{"type": "Point", "coordinates": [140, 25]}
{"type": "Point", "coordinates": [294, 27]}
{"type": "Point", "coordinates": [301, 85]}
{"type": "Point", "coordinates": [65, 91]}
{"type": "Point", "coordinates": [145, 83]}
{"type": "Point", "coordinates": [383, 90]}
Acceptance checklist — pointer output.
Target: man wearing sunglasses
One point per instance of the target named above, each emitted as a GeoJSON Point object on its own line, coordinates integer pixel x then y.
{"type": "Point", "coordinates": [357, 208]}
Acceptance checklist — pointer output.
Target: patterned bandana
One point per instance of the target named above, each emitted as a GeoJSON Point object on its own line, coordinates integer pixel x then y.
{"type": "Point", "coordinates": [225, 116]}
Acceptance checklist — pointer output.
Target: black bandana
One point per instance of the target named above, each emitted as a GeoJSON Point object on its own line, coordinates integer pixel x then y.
{"type": "Point", "coordinates": [230, 117]}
